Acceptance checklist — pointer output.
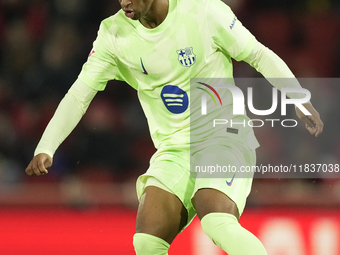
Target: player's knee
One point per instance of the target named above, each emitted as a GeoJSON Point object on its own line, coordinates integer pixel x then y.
{"type": "Point", "coordinates": [146, 244]}
{"type": "Point", "coordinates": [216, 225]}
{"type": "Point", "coordinates": [225, 231]}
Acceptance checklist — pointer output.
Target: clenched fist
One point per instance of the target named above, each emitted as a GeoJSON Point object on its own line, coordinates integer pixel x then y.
{"type": "Point", "coordinates": [39, 164]}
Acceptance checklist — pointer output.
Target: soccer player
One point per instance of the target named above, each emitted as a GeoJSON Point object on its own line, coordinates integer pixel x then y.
{"type": "Point", "coordinates": [156, 46]}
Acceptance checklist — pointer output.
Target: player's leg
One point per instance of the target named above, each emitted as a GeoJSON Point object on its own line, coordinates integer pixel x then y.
{"type": "Point", "coordinates": [160, 217]}
{"type": "Point", "coordinates": [165, 208]}
{"type": "Point", "coordinates": [219, 219]}
{"type": "Point", "coordinates": [219, 202]}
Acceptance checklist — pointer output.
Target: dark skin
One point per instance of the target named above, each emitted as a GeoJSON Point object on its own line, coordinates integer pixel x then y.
{"type": "Point", "coordinates": [313, 123]}
{"type": "Point", "coordinates": [161, 213]}
{"type": "Point", "coordinates": [151, 13]}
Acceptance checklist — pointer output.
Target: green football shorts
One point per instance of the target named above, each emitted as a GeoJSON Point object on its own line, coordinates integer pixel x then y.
{"type": "Point", "coordinates": [170, 170]}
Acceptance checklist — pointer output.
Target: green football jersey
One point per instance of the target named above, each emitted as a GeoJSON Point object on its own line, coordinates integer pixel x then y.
{"type": "Point", "coordinates": [197, 39]}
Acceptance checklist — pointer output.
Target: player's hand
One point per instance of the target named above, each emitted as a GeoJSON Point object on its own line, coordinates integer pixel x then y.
{"type": "Point", "coordinates": [313, 122]}
{"type": "Point", "coordinates": [39, 164]}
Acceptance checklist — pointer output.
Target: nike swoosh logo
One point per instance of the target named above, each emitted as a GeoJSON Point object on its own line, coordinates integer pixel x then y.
{"type": "Point", "coordinates": [144, 71]}
{"type": "Point", "coordinates": [230, 182]}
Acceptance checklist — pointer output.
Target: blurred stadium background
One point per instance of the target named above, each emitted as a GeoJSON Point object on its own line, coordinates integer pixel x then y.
{"type": "Point", "coordinates": [87, 204]}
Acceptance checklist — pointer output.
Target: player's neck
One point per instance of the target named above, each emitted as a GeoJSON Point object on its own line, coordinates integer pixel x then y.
{"type": "Point", "coordinates": [156, 15]}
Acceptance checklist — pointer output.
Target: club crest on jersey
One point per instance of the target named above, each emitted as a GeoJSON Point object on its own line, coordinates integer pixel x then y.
{"type": "Point", "coordinates": [186, 57]}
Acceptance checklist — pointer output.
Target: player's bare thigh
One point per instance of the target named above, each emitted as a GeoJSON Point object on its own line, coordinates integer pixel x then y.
{"type": "Point", "coordinates": [211, 200]}
{"type": "Point", "coordinates": [161, 214]}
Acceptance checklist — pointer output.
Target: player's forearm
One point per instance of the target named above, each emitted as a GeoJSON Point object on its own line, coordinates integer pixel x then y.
{"type": "Point", "coordinates": [60, 126]}
{"type": "Point", "coordinates": [68, 114]}
{"type": "Point", "coordinates": [272, 67]}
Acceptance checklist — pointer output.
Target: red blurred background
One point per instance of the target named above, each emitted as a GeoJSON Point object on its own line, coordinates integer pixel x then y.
{"type": "Point", "coordinates": [87, 204]}
{"type": "Point", "coordinates": [109, 231]}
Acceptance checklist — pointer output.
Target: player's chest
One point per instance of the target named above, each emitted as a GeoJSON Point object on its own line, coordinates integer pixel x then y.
{"type": "Point", "coordinates": [176, 52]}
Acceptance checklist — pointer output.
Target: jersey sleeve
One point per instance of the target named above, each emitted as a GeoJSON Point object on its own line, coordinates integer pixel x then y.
{"type": "Point", "coordinates": [101, 65]}
{"type": "Point", "coordinates": [69, 112]}
{"type": "Point", "coordinates": [228, 33]}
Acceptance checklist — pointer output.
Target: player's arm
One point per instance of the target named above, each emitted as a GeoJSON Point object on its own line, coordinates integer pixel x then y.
{"type": "Point", "coordinates": [272, 67]}
{"type": "Point", "coordinates": [68, 114]}
{"type": "Point", "coordinates": [99, 68]}
{"type": "Point", "coordinates": [233, 39]}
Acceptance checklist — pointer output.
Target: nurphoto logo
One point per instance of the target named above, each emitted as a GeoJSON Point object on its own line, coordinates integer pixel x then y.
{"type": "Point", "coordinates": [239, 105]}
{"type": "Point", "coordinates": [239, 100]}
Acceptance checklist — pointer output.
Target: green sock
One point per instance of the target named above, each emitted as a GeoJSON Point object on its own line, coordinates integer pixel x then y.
{"type": "Point", "coordinates": [225, 231]}
{"type": "Point", "coordinates": [146, 244]}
